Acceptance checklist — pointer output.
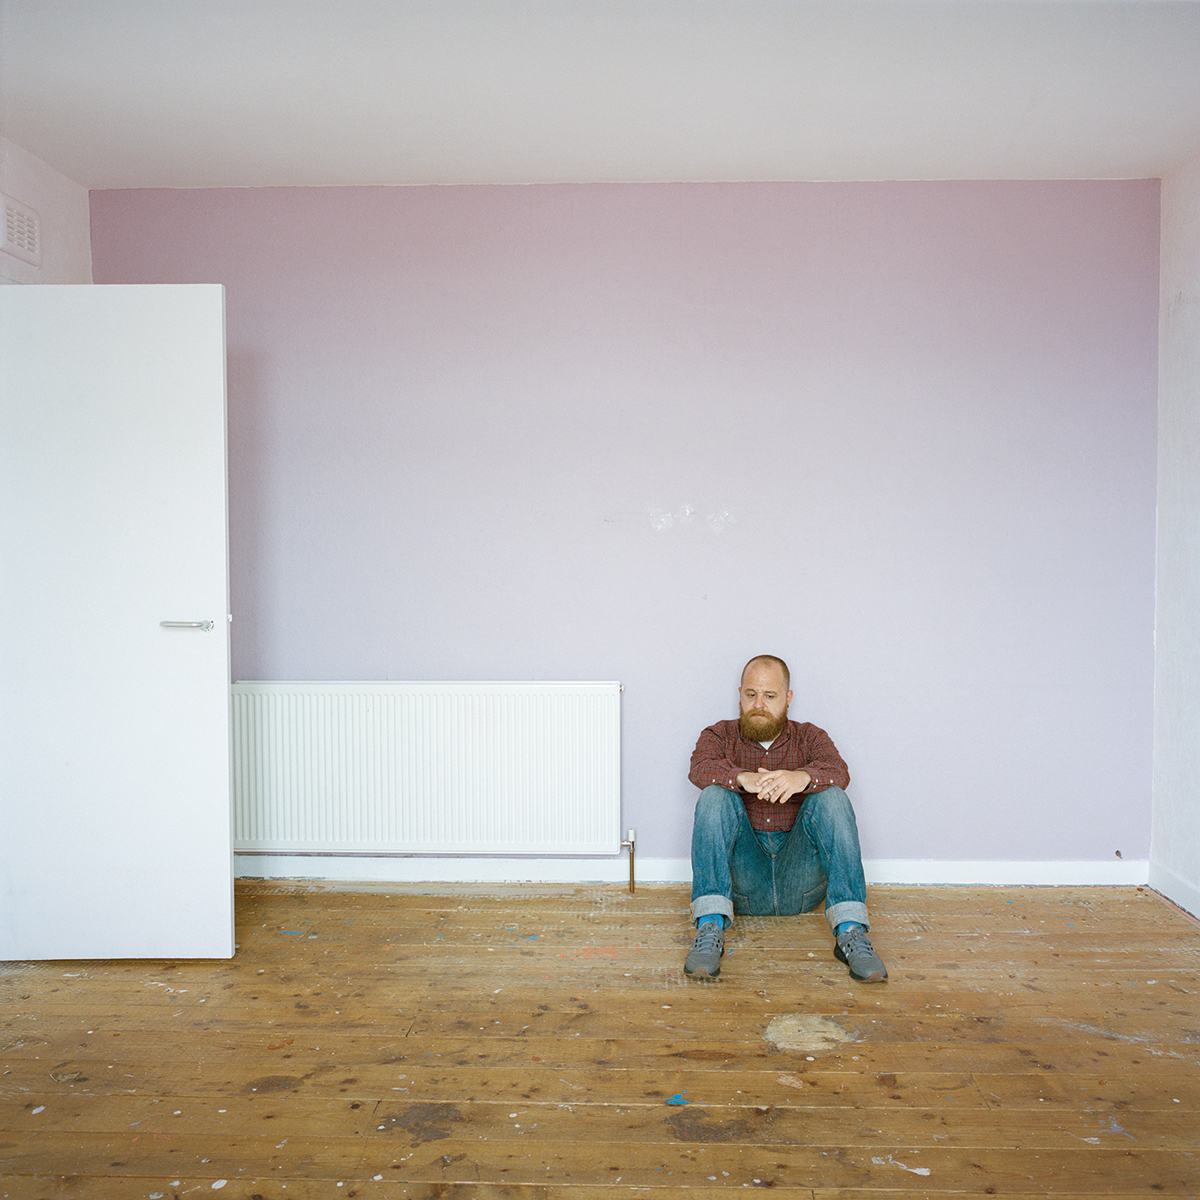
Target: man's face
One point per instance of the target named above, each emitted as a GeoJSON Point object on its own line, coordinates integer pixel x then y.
{"type": "Point", "coordinates": [764, 703]}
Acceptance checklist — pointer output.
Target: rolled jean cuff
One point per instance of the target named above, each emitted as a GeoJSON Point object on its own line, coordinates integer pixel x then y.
{"type": "Point", "coordinates": [845, 910]}
{"type": "Point", "coordinates": [707, 906]}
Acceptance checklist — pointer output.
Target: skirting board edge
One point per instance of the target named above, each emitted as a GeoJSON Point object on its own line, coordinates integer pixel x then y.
{"type": "Point", "coordinates": [426, 869]}
{"type": "Point", "coordinates": [1168, 884]}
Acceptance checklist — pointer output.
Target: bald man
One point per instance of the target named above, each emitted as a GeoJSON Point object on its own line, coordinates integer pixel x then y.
{"type": "Point", "coordinates": [774, 831]}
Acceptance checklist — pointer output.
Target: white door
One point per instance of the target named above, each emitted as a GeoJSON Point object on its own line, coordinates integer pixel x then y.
{"type": "Point", "coordinates": [115, 832]}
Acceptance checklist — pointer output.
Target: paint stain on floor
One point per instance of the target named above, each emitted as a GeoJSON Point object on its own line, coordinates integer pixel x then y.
{"type": "Point", "coordinates": [805, 1032]}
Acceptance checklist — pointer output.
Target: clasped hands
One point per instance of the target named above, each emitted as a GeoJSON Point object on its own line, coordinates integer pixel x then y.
{"type": "Point", "coordinates": [774, 786]}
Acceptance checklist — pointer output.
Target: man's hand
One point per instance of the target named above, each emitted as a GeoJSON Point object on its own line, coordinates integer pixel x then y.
{"type": "Point", "coordinates": [774, 786]}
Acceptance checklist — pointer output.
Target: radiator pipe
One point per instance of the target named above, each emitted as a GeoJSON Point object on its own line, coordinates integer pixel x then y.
{"type": "Point", "coordinates": [629, 842]}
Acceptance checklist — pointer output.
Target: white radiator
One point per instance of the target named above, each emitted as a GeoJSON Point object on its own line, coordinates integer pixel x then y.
{"type": "Point", "coordinates": [427, 768]}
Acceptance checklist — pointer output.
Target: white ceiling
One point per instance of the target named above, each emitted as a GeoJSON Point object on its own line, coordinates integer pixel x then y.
{"type": "Point", "coordinates": [229, 93]}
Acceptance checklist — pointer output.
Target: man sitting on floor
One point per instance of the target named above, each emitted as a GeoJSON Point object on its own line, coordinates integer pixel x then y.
{"type": "Point", "coordinates": [774, 831]}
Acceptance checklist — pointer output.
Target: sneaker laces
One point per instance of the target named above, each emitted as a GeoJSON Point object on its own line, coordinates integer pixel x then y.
{"type": "Point", "coordinates": [855, 939]}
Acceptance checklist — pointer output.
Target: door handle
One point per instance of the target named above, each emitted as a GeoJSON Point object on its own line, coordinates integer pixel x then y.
{"type": "Point", "coordinates": [205, 625]}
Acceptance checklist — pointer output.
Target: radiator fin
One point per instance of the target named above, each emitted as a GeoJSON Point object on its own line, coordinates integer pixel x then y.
{"type": "Point", "coordinates": [427, 768]}
{"type": "Point", "coordinates": [19, 232]}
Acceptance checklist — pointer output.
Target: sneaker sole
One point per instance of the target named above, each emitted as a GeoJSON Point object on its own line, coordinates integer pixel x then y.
{"type": "Point", "coordinates": [874, 977]}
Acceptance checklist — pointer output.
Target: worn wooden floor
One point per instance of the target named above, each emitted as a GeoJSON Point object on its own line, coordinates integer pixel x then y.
{"type": "Point", "coordinates": [543, 1044]}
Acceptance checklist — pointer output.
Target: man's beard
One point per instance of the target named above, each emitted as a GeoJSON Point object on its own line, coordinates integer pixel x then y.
{"type": "Point", "coordinates": [762, 727]}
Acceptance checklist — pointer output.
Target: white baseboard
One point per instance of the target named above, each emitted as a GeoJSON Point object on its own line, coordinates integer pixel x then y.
{"type": "Point", "coordinates": [425, 869]}
{"type": "Point", "coordinates": [1170, 885]}
{"type": "Point", "coordinates": [1008, 874]}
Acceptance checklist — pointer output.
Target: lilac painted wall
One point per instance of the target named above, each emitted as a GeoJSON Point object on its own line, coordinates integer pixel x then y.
{"type": "Point", "coordinates": [901, 434]}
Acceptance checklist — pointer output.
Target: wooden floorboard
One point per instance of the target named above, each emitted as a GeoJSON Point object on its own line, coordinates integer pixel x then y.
{"type": "Point", "coordinates": [528, 1042]}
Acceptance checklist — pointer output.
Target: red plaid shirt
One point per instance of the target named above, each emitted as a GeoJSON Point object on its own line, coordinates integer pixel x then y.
{"type": "Point", "coordinates": [723, 752]}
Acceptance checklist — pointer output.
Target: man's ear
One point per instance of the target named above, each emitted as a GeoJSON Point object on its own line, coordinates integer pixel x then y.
{"type": "Point", "coordinates": [789, 701]}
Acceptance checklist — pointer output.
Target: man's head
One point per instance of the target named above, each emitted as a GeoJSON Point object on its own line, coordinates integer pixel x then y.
{"type": "Point", "coordinates": [764, 697]}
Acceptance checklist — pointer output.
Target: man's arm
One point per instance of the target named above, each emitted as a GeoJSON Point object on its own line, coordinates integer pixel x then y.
{"type": "Point", "coordinates": [822, 761]}
{"type": "Point", "coordinates": [712, 761]}
{"type": "Point", "coordinates": [823, 767]}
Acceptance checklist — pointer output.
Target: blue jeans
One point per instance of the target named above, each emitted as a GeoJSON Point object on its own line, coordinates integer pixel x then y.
{"type": "Point", "coordinates": [736, 868]}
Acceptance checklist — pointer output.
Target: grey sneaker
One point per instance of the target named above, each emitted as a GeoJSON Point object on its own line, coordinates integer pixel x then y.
{"type": "Point", "coordinates": [704, 958]}
{"type": "Point", "coordinates": [854, 949]}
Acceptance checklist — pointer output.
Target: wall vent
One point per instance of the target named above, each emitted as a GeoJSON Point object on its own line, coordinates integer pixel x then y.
{"type": "Point", "coordinates": [20, 234]}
